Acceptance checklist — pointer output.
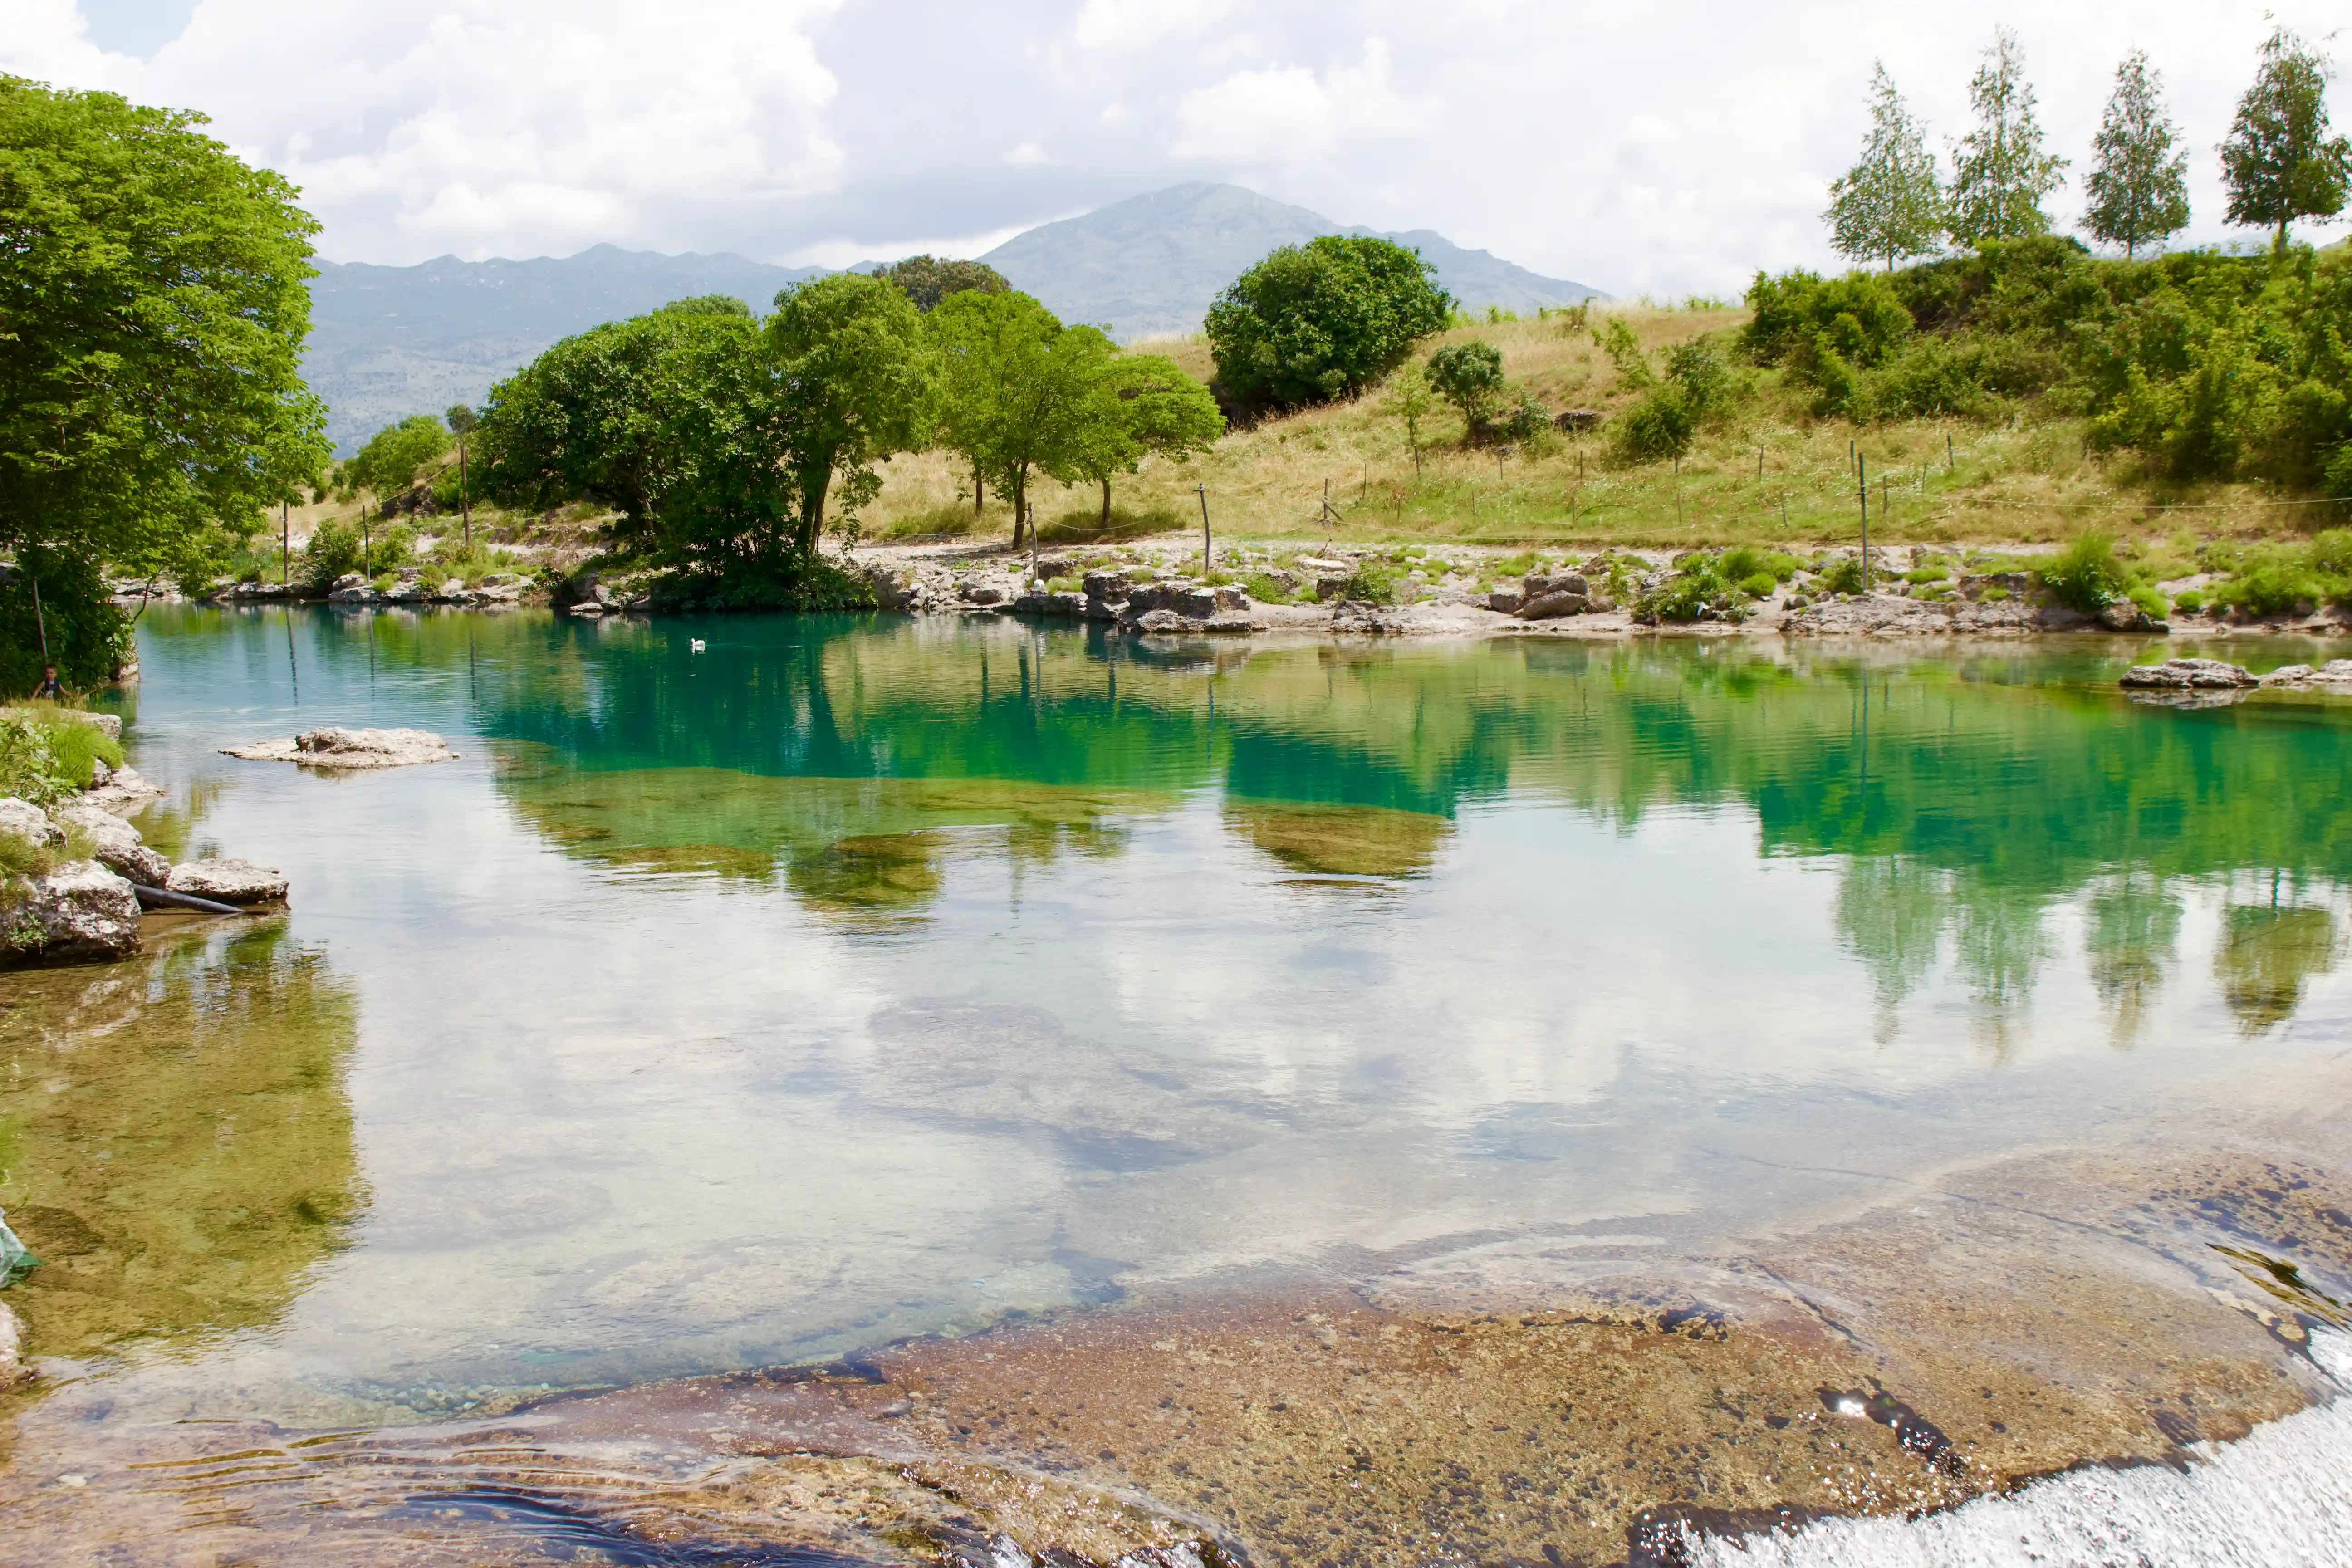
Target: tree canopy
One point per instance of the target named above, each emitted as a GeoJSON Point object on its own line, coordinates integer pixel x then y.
{"type": "Point", "coordinates": [153, 302]}
{"type": "Point", "coordinates": [926, 280]}
{"type": "Point", "coordinates": [1323, 319]}
{"type": "Point", "coordinates": [1889, 207]}
{"type": "Point", "coordinates": [2279, 161]}
{"type": "Point", "coordinates": [2002, 170]}
{"type": "Point", "coordinates": [1144, 406]}
{"type": "Point", "coordinates": [2139, 185]}
{"type": "Point", "coordinates": [856, 382]}
{"type": "Point", "coordinates": [1021, 392]}
{"type": "Point", "coordinates": [1469, 376]}
{"type": "Point", "coordinates": [396, 455]}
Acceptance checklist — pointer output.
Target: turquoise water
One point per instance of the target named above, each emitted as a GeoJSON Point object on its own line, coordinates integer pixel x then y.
{"type": "Point", "coordinates": [853, 979]}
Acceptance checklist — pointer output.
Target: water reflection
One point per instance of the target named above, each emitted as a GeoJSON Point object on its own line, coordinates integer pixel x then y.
{"type": "Point", "coordinates": [174, 1140]}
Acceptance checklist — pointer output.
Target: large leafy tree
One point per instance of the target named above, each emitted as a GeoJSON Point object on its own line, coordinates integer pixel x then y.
{"type": "Point", "coordinates": [1021, 394]}
{"type": "Point", "coordinates": [394, 457]}
{"type": "Point", "coordinates": [1889, 207]}
{"type": "Point", "coordinates": [2139, 185]}
{"type": "Point", "coordinates": [857, 382]}
{"type": "Point", "coordinates": [154, 301]}
{"type": "Point", "coordinates": [2002, 171]}
{"type": "Point", "coordinates": [1143, 405]}
{"type": "Point", "coordinates": [1323, 319]}
{"type": "Point", "coordinates": [2279, 161]}
{"type": "Point", "coordinates": [1469, 376]}
{"type": "Point", "coordinates": [927, 279]}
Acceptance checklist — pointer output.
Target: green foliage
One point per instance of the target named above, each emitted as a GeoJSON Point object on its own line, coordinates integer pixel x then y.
{"type": "Point", "coordinates": [88, 636]}
{"type": "Point", "coordinates": [394, 456]}
{"type": "Point", "coordinates": [1624, 351]}
{"type": "Point", "coordinates": [1742, 562]}
{"type": "Point", "coordinates": [1889, 207]}
{"type": "Point", "coordinates": [1022, 394]}
{"type": "Point", "coordinates": [2138, 187]}
{"type": "Point", "coordinates": [46, 757]}
{"type": "Point", "coordinates": [1843, 576]}
{"type": "Point", "coordinates": [855, 385]}
{"type": "Point", "coordinates": [1144, 406]}
{"type": "Point", "coordinates": [1666, 421]}
{"type": "Point", "coordinates": [2283, 580]}
{"type": "Point", "coordinates": [2190, 602]}
{"type": "Point", "coordinates": [1697, 589]}
{"type": "Point", "coordinates": [152, 307]}
{"type": "Point", "coordinates": [1409, 399]}
{"type": "Point", "coordinates": [1470, 377]}
{"type": "Point", "coordinates": [2279, 161]}
{"type": "Point", "coordinates": [1376, 582]}
{"type": "Point", "coordinates": [1826, 331]}
{"type": "Point", "coordinates": [2000, 169]}
{"type": "Point", "coordinates": [2085, 574]}
{"type": "Point", "coordinates": [1320, 321]}
{"type": "Point", "coordinates": [926, 280]}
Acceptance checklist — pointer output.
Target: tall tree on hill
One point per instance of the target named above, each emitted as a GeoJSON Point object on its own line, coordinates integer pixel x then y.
{"type": "Point", "coordinates": [1144, 406]}
{"type": "Point", "coordinates": [2138, 187]}
{"type": "Point", "coordinates": [1889, 207]}
{"type": "Point", "coordinates": [2279, 161]}
{"type": "Point", "coordinates": [2000, 170]}
{"type": "Point", "coordinates": [1019, 390]}
{"type": "Point", "coordinates": [154, 301]}
{"type": "Point", "coordinates": [859, 382]}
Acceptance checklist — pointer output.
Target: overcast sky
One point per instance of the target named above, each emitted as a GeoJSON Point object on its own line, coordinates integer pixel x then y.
{"type": "Point", "coordinates": [1664, 148]}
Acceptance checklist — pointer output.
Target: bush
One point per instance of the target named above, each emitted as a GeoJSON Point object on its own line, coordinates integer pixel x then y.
{"type": "Point", "coordinates": [1696, 587]}
{"type": "Point", "coordinates": [1744, 561]}
{"type": "Point", "coordinates": [1758, 586]}
{"type": "Point", "coordinates": [46, 757]}
{"type": "Point", "coordinates": [1661, 427]}
{"type": "Point", "coordinates": [1320, 321]}
{"type": "Point", "coordinates": [2085, 575]}
{"type": "Point", "coordinates": [1376, 582]}
{"type": "Point", "coordinates": [1858, 317]}
{"type": "Point", "coordinates": [2150, 602]}
{"type": "Point", "coordinates": [2277, 584]}
{"type": "Point", "coordinates": [2190, 602]}
{"type": "Point", "coordinates": [1470, 377]}
{"type": "Point", "coordinates": [1843, 576]}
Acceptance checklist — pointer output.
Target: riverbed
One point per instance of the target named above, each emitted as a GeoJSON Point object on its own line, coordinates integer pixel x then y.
{"type": "Point", "coordinates": [862, 1089]}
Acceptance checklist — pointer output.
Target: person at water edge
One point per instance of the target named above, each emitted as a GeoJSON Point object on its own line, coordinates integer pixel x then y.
{"type": "Point", "coordinates": [48, 687]}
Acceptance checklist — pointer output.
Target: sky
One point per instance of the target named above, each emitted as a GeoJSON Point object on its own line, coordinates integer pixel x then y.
{"type": "Point", "coordinates": [1664, 149]}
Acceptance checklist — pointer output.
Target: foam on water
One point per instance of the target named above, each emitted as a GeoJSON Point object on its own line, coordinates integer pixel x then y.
{"type": "Point", "coordinates": [2279, 1498]}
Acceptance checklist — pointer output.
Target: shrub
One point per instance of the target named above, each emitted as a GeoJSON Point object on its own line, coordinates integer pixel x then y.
{"type": "Point", "coordinates": [1744, 561]}
{"type": "Point", "coordinates": [1375, 582]}
{"type": "Point", "coordinates": [2190, 602]}
{"type": "Point", "coordinates": [1320, 320]}
{"type": "Point", "coordinates": [2274, 584]}
{"type": "Point", "coordinates": [2150, 601]}
{"type": "Point", "coordinates": [1694, 586]}
{"type": "Point", "coordinates": [1470, 377]}
{"type": "Point", "coordinates": [2085, 575]}
{"type": "Point", "coordinates": [44, 756]}
{"type": "Point", "coordinates": [1758, 586]}
{"type": "Point", "coordinates": [1858, 317]}
{"type": "Point", "coordinates": [1842, 575]}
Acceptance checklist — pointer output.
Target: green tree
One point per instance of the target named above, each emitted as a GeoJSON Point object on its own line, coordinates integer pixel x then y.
{"type": "Point", "coordinates": [1019, 392]}
{"type": "Point", "coordinates": [1409, 399]}
{"type": "Point", "coordinates": [1889, 207]}
{"type": "Point", "coordinates": [2138, 186]}
{"type": "Point", "coordinates": [1323, 319]}
{"type": "Point", "coordinates": [1469, 376]}
{"type": "Point", "coordinates": [154, 301]}
{"type": "Point", "coordinates": [2279, 161]}
{"type": "Point", "coordinates": [926, 280]}
{"type": "Point", "coordinates": [388, 465]}
{"type": "Point", "coordinates": [857, 379]}
{"type": "Point", "coordinates": [2000, 169]}
{"type": "Point", "coordinates": [461, 420]}
{"type": "Point", "coordinates": [1145, 406]}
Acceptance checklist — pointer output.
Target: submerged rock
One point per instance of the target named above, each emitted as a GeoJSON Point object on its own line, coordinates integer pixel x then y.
{"type": "Point", "coordinates": [2186, 674]}
{"type": "Point", "coordinates": [229, 881]}
{"type": "Point", "coordinates": [350, 749]}
{"type": "Point", "coordinates": [2335, 672]}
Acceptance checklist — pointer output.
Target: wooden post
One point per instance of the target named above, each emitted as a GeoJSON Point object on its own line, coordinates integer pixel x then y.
{"type": "Point", "coordinates": [40, 621]}
{"type": "Point", "coordinates": [1861, 471]}
{"type": "Point", "coordinates": [285, 547]}
{"type": "Point", "coordinates": [1206, 559]}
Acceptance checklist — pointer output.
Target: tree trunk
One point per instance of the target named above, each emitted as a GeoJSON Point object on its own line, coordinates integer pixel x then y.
{"type": "Point", "coordinates": [465, 503]}
{"type": "Point", "coordinates": [1105, 516]}
{"type": "Point", "coordinates": [813, 485]}
{"type": "Point", "coordinates": [979, 487]}
{"type": "Point", "coordinates": [2279, 244]}
{"type": "Point", "coordinates": [1020, 502]}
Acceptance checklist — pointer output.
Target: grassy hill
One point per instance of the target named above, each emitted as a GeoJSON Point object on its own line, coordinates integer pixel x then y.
{"type": "Point", "coordinates": [1770, 472]}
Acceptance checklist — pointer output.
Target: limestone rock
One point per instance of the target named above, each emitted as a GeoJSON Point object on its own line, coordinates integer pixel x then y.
{"type": "Point", "coordinates": [1536, 584]}
{"type": "Point", "coordinates": [1111, 587]}
{"type": "Point", "coordinates": [1551, 605]}
{"type": "Point", "coordinates": [2335, 672]}
{"type": "Point", "coordinates": [125, 793]}
{"type": "Point", "coordinates": [23, 819]}
{"type": "Point", "coordinates": [80, 911]}
{"type": "Point", "coordinates": [1356, 615]}
{"type": "Point", "coordinates": [2186, 674]}
{"type": "Point", "coordinates": [114, 843]}
{"type": "Point", "coordinates": [350, 749]}
{"type": "Point", "coordinates": [229, 881]}
{"type": "Point", "coordinates": [1506, 601]}
{"type": "Point", "coordinates": [13, 1372]}
{"type": "Point", "coordinates": [1330, 588]}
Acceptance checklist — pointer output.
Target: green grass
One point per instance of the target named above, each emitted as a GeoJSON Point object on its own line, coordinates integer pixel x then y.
{"type": "Point", "coordinates": [44, 756]}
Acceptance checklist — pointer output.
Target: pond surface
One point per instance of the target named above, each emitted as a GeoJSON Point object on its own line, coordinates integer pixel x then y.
{"type": "Point", "coordinates": [851, 980]}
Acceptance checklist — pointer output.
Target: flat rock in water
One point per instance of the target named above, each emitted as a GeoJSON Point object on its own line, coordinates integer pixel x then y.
{"type": "Point", "coordinates": [229, 881]}
{"type": "Point", "coordinates": [2186, 674]}
{"type": "Point", "coordinates": [80, 911]}
{"type": "Point", "coordinates": [123, 793]}
{"type": "Point", "coordinates": [350, 749]}
{"type": "Point", "coordinates": [2335, 672]}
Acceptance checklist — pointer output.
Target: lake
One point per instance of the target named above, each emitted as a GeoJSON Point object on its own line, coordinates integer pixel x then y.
{"type": "Point", "coordinates": [1442, 1069]}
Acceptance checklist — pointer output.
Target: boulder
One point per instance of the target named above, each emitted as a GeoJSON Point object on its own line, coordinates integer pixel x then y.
{"type": "Point", "coordinates": [978, 591]}
{"type": "Point", "coordinates": [1327, 589]}
{"type": "Point", "coordinates": [1554, 604]}
{"type": "Point", "coordinates": [1232, 600]}
{"type": "Point", "coordinates": [114, 843]}
{"type": "Point", "coordinates": [1096, 609]}
{"type": "Point", "coordinates": [1577, 420]}
{"type": "Point", "coordinates": [125, 793]}
{"type": "Point", "coordinates": [350, 749]}
{"type": "Point", "coordinates": [81, 910]}
{"type": "Point", "coordinates": [2123, 615]}
{"type": "Point", "coordinates": [23, 819]}
{"type": "Point", "coordinates": [229, 881]}
{"type": "Point", "coordinates": [1536, 584]}
{"type": "Point", "coordinates": [589, 607]}
{"type": "Point", "coordinates": [13, 1372]}
{"type": "Point", "coordinates": [1108, 586]}
{"type": "Point", "coordinates": [1356, 615]}
{"type": "Point", "coordinates": [1163, 622]}
{"type": "Point", "coordinates": [359, 596]}
{"type": "Point", "coordinates": [1323, 566]}
{"type": "Point", "coordinates": [2186, 674]}
{"type": "Point", "coordinates": [2290, 675]}
{"type": "Point", "coordinates": [1505, 601]}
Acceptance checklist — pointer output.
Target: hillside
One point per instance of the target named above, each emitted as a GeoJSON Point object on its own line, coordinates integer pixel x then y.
{"type": "Point", "coordinates": [389, 342]}
{"type": "Point", "coordinates": [1151, 265]}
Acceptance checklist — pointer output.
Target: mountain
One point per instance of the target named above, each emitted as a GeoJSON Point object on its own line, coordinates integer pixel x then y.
{"type": "Point", "coordinates": [1151, 265]}
{"type": "Point", "coordinates": [389, 342]}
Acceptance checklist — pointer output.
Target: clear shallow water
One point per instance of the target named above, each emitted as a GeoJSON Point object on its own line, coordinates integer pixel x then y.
{"type": "Point", "coordinates": [851, 980]}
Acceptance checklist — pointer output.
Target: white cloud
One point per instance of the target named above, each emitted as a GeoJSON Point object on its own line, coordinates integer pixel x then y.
{"type": "Point", "coordinates": [1130, 24]}
{"type": "Point", "coordinates": [1025, 154]}
{"type": "Point", "coordinates": [1288, 115]}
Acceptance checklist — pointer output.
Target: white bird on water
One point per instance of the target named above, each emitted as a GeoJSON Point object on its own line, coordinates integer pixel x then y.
{"type": "Point", "coordinates": [697, 643]}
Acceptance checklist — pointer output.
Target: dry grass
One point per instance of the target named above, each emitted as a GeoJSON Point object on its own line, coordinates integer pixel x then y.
{"type": "Point", "coordinates": [1947, 482]}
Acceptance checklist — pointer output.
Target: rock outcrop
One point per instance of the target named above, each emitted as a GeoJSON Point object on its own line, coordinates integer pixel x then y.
{"type": "Point", "coordinates": [78, 911]}
{"type": "Point", "coordinates": [229, 882]}
{"type": "Point", "coordinates": [2186, 674]}
{"type": "Point", "coordinates": [2335, 672]}
{"type": "Point", "coordinates": [114, 843]}
{"type": "Point", "coordinates": [350, 750]}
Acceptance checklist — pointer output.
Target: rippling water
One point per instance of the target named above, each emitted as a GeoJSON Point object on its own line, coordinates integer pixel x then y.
{"type": "Point", "coordinates": [850, 981]}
